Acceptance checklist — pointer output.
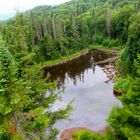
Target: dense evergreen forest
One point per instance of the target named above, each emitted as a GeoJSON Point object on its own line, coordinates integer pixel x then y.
{"type": "Point", "coordinates": [47, 33]}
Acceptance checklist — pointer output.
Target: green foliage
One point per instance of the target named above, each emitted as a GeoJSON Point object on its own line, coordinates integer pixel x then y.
{"type": "Point", "coordinates": [18, 136]}
{"type": "Point", "coordinates": [99, 39]}
{"type": "Point", "coordinates": [8, 82]}
{"type": "Point", "coordinates": [88, 135]}
{"type": "Point", "coordinates": [125, 120]}
{"type": "Point", "coordinates": [123, 64]}
{"type": "Point", "coordinates": [10, 99]}
{"type": "Point", "coordinates": [111, 43]}
{"type": "Point", "coordinates": [48, 33]}
{"type": "Point", "coordinates": [24, 104]}
{"type": "Point", "coordinates": [122, 85]}
{"type": "Point", "coordinates": [120, 22]}
{"type": "Point", "coordinates": [134, 40]}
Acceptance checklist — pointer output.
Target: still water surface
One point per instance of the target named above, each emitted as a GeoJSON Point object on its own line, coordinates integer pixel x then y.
{"type": "Point", "coordinates": [86, 84]}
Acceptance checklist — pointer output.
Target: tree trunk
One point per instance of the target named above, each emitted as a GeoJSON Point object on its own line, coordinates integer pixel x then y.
{"type": "Point", "coordinates": [108, 22]}
{"type": "Point", "coordinates": [53, 27]}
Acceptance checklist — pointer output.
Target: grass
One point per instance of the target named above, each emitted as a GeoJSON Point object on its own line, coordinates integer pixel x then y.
{"type": "Point", "coordinates": [105, 47]}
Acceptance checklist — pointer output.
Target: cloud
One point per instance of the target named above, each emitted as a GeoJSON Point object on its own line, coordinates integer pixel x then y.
{"type": "Point", "coordinates": [8, 7]}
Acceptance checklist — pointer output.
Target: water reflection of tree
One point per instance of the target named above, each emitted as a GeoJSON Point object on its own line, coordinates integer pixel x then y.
{"type": "Point", "coordinates": [93, 68]}
{"type": "Point", "coordinates": [75, 69]}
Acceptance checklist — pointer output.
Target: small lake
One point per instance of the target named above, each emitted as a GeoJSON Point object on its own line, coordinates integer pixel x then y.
{"type": "Point", "coordinates": [86, 84]}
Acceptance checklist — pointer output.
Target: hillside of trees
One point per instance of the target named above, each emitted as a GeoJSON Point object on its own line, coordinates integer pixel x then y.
{"type": "Point", "coordinates": [49, 32]}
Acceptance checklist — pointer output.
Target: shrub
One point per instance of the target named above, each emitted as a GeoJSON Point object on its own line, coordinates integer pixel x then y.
{"type": "Point", "coordinates": [99, 39]}
{"type": "Point", "coordinates": [110, 43]}
{"type": "Point", "coordinates": [86, 135]}
{"type": "Point", "coordinates": [123, 64]}
{"type": "Point", "coordinates": [122, 85]}
{"type": "Point", "coordinates": [126, 120]}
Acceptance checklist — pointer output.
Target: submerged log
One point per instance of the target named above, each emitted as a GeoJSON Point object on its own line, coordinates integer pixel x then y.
{"type": "Point", "coordinates": [110, 60]}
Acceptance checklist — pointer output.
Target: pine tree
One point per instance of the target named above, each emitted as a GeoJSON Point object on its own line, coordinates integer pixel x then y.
{"type": "Point", "coordinates": [19, 34]}
{"type": "Point", "coordinates": [108, 22]}
{"type": "Point", "coordinates": [125, 120]}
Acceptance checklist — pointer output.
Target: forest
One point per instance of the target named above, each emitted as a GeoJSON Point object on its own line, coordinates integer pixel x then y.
{"type": "Point", "coordinates": [44, 34]}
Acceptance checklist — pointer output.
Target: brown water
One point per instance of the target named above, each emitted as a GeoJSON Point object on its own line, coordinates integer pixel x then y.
{"type": "Point", "coordinates": [86, 84]}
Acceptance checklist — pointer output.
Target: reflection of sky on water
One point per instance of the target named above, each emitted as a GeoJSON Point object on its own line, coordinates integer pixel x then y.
{"type": "Point", "coordinates": [93, 101]}
{"type": "Point", "coordinates": [85, 83]}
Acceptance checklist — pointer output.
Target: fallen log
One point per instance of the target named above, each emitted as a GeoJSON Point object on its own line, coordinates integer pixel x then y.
{"type": "Point", "coordinates": [110, 60]}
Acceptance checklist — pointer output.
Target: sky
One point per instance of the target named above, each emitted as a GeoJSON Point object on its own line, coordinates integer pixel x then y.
{"type": "Point", "coordinates": [8, 7]}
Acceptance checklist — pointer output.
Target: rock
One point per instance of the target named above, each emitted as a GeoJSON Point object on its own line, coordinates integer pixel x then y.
{"type": "Point", "coordinates": [109, 70]}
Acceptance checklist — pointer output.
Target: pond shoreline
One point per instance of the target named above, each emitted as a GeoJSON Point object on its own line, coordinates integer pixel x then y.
{"type": "Point", "coordinates": [65, 59]}
{"type": "Point", "coordinates": [75, 56]}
